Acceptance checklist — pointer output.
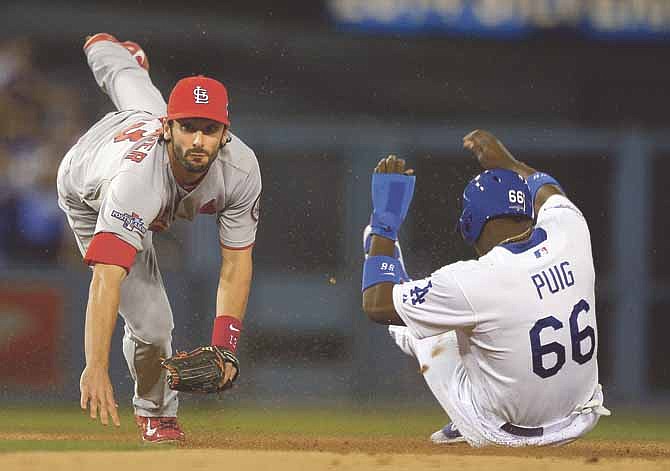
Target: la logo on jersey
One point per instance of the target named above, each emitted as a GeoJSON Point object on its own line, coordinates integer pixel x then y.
{"type": "Point", "coordinates": [418, 294]}
{"type": "Point", "coordinates": [200, 95]}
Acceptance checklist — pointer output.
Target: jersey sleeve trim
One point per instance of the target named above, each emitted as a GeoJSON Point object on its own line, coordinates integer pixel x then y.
{"type": "Point", "coordinates": [227, 247]}
{"type": "Point", "coordinates": [109, 249]}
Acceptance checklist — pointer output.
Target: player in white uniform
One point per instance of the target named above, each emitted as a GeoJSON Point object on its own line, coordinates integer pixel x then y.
{"type": "Point", "coordinates": [133, 173]}
{"type": "Point", "coordinates": [507, 343]}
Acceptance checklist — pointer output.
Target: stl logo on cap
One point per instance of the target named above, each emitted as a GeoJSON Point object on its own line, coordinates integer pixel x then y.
{"type": "Point", "coordinates": [200, 95]}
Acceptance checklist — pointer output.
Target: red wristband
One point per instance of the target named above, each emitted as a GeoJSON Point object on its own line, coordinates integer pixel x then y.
{"type": "Point", "coordinates": [226, 332]}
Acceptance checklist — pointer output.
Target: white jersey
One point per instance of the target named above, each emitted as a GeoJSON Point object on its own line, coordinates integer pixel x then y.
{"type": "Point", "coordinates": [525, 318]}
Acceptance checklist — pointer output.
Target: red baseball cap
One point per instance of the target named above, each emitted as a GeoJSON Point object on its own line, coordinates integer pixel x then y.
{"type": "Point", "coordinates": [199, 97]}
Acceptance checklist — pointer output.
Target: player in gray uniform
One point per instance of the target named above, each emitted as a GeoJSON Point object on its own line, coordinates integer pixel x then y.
{"type": "Point", "coordinates": [133, 173]}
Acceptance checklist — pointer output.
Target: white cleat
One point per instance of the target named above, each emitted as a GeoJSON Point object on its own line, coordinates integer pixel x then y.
{"type": "Point", "coordinates": [447, 435]}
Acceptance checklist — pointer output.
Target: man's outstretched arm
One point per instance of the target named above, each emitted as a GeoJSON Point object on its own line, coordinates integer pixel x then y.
{"type": "Point", "coordinates": [232, 297]}
{"type": "Point", "coordinates": [97, 393]}
{"type": "Point", "coordinates": [390, 208]}
{"type": "Point", "coordinates": [213, 368]}
{"type": "Point", "coordinates": [491, 153]}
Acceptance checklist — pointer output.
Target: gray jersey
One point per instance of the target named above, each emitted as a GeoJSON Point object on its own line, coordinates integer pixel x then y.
{"type": "Point", "coordinates": [117, 179]}
{"type": "Point", "coordinates": [120, 169]}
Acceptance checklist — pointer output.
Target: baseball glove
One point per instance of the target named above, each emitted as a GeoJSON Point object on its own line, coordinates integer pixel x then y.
{"type": "Point", "coordinates": [201, 370]}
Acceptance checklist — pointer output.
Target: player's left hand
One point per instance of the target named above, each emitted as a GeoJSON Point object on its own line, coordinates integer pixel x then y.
{"type": "Point", "coordinates": [489, 151]}
{"type": "Point", "coordinates": [205, 370]}
{"type": "Point", "coordinates": [230, 374]}
{"type": "Point", "coordinates": [393, 164]}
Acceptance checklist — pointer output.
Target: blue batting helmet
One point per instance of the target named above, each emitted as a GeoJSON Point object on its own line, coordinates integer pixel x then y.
{"type": "Point", "coordinates": [491, 194]}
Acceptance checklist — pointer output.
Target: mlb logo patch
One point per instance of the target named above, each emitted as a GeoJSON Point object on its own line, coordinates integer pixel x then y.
{"type": "Point", "coordinates": [541, 252]}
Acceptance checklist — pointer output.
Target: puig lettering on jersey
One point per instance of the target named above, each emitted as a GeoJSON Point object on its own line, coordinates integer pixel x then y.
{"type": "Point", "coordinates": [554, 279]}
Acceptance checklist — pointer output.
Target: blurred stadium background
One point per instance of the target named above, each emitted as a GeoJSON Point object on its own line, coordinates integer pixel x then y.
{"type": "Point", "coordinates": [321, 90]}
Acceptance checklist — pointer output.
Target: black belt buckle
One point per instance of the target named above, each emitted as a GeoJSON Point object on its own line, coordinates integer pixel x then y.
{"type": "Point", "coordinates": [523, 431]}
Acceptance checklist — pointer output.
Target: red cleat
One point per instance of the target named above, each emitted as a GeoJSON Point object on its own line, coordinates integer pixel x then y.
{"type": "Point", "coordinates": [135, 50]}
{"type": "Point", "coordinates": [160, 429]}
{"type": "Point", "coordinates": [91, 40]}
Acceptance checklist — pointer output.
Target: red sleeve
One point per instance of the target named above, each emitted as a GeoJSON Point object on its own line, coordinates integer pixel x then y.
{"type": "Point", "coordinates": [109, 249]}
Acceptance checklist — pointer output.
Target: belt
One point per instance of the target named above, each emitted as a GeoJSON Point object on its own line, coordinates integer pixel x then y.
{"type": "Point", "coordinates": [523, 431]}
{"type": "Point", "coordinates": [595, 406]}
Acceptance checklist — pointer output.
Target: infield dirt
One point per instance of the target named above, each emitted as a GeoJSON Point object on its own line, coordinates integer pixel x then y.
{"type": "Point", "coordinates": [281, 452]}
{"type": "Point", "coordinates": [296, 439]}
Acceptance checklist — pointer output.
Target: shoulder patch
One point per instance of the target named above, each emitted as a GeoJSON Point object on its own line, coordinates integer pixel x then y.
{"type": "Point", "coordinates": [131, 222]}
{"type": "Point", "coordinates": [418, 294]}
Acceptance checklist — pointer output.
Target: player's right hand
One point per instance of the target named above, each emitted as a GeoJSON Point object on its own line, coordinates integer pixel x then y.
{"type": "Point", "coordinates": [490, 152]}
{"type": "Point", "coordinates": [97, 395]}
{"type": "Point", "coordinates": [393, 164]}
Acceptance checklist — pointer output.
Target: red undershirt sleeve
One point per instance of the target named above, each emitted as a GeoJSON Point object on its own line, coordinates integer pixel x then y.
{"type": "Point", "coordinates": [237, 248]}
{"type": "Point", "coordinates": [109, 249]}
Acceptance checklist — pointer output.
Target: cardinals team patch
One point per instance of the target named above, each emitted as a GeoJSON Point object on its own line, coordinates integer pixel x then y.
{"type": "Point", "coordinates": [131, 222]}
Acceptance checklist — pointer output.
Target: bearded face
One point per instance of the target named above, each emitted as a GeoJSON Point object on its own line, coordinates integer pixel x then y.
{"type": "Point", "coordinates": [196, 142]}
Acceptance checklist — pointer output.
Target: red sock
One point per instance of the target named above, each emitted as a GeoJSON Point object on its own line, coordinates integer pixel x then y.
{"type": "Point", "coordinates": [226, 332]}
